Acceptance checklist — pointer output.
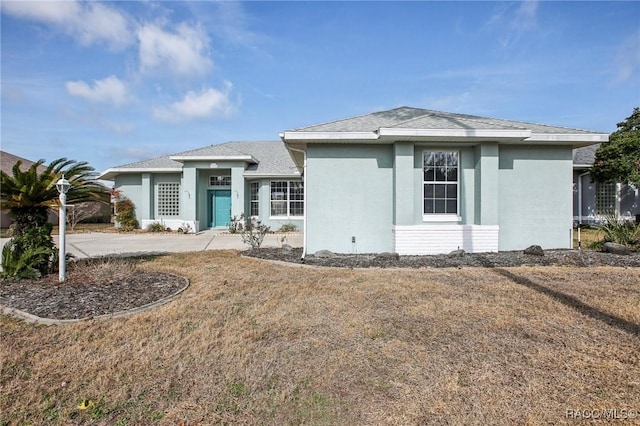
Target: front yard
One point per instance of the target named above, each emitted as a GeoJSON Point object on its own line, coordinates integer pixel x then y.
{"type": "Point", "coordinates": [253, 342]}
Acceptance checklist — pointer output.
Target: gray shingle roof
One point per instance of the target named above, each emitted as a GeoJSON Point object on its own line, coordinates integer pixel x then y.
{"type": "Point", "coordinates": [585, 156]}
{"type": "Point", "coordinates": [417, 118]}
{"type": "Point", "coordinates": [272, 158]}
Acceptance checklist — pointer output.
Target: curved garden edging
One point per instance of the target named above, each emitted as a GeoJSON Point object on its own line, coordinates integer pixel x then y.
{"type": "Point", "coordinates": [30, 318]}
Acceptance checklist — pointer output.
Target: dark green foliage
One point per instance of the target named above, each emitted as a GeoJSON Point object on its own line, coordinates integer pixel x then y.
{"type": "Point", "coordinates": [619, 159]}
{"type": "Point", "coordinates": [30, 254]}
{"type": "Point", "coordinates": [28, 195]}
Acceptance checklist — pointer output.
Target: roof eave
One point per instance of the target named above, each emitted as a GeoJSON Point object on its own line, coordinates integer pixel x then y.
{"type": "Point", "coordinates": [583, 139]}
{"type": "Point", "coordinates": [322, 136]}
{"type": "Point", "coordinates": [183, 158]}
{"type": "Point", "coordinates": [109, 174]}
{"type": "Point", "coordinates": [293, 175]}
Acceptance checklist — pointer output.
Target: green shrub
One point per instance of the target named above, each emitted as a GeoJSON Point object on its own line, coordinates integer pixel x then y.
{"type": "Point", "coordinates": [30, 254]}
{"type": "Point", "coordinates": [288, 227]}
{"type": "Point", "coordinates": [619, 231]}
{"type": "Point", "coordinates": [155, 227]}
{"type": "Point", "coordinates": [126, 214]}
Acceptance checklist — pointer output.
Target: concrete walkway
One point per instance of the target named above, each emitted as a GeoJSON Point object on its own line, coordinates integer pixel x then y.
{"type": "Point", "coordinates": [94, 244]}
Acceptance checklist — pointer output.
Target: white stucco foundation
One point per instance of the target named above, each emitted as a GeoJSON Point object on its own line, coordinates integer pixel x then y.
{"type": "Point", "coordinates": [443, 238]}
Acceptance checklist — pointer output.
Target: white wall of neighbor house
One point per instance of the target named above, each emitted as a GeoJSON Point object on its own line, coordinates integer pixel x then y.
{"type": "Point", "coordinates": [535, 203]}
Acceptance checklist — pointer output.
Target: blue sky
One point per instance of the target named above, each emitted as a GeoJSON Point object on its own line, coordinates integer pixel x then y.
{"type": "Point", "coordinates": [116, 82]}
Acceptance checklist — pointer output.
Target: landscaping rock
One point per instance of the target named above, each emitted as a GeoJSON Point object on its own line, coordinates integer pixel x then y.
{"type": "Point", "coordinates": [286, 249]}
{"type": "Point", "coordinates": [615, 248]}
{"type": "Point", "coordinates": [324, 254]}
{"type": "Point", "coordinates": [387, 256]}
{"type": "Point", "coordinates": [457, 253]}
{"type": "Point", "coordinates": [534, 250]}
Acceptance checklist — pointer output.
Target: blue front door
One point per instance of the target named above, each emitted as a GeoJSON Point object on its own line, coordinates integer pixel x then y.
{"type": "Point", "coordinates": [221, 208]}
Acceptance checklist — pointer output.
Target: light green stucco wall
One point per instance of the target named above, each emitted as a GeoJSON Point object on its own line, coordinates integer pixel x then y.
{"type": "Point", "coordinates": [130, 185]}
{"type": "Point", "coordinates": [535, 197]}
{"type": "Point", "coordinates": [350, 193]}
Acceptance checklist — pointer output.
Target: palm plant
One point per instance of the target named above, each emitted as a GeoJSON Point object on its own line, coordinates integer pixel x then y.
{"type": "Point", "coordinates": [29, 194]}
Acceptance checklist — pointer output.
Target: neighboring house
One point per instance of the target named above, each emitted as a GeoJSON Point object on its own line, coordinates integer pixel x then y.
{"type": "Point", "coordinates": [207, 187]}
{"type": "Point", "coordinates": [406, 180]}
{"type": "Point", "coordinates": [593, 201]}
{"type": "Point", "coordinates": [93, 211]}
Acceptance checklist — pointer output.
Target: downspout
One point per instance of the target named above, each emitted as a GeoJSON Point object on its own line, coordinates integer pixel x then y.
{"type": "Point", "coordinates": [304, 202]}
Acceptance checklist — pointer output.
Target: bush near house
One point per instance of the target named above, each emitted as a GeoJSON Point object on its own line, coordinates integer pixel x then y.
{"type": "Point", "coordinates": [619, 231]}
{"type": "Point", "coordinates": [125, 213]}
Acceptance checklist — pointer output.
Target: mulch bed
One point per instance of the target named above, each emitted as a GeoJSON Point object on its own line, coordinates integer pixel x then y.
{"type": "Point", "coordinates": [82, 297]}
{"type": "Point", "coordinates": [580, 258]}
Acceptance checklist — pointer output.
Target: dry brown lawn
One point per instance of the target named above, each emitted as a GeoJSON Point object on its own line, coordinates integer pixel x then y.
{"type": "Point", "coordinates": [253, 342]}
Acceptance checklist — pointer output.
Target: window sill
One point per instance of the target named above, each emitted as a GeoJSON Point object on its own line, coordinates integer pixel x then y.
{"type": "Point", "coordinates": [451, 218]}
{"type": "Point", "coordinates": [286, 217]}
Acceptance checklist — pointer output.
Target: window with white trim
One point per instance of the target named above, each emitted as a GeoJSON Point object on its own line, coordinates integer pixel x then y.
{"type": "Point", "coordinates": [219, 180]}
{"type": "Point", "coordinates": [440, 182]}
{"type": "Point", "coordinates": [287, 198]}
{"type": "Point", "coordinates": [254, 199]}
{"type": "Point", "coordinates": [169, 199]}
{"type": "Point", "coordinates": [605, 198]}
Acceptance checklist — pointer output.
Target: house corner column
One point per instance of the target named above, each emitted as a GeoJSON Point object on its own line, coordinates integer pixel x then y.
{"type": "Point", "coordinates": [487, 181]}
{"type": "Point", "coordinates": [403, 191]}
{"type": "Point", "coordinates": [238, 192]}
{"type": "Point", "coordinates": [146, 209]}
{"type": "Point", "coordinates": [189, 194]}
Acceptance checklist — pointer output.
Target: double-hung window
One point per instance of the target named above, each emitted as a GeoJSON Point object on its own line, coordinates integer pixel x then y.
{"type": "Point", "coordinates": [287, 198]}
{"type": "Point", "coordinates": [440, 183]}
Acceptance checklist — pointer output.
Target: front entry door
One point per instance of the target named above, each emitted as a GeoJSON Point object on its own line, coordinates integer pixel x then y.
{"type": "Point", "coordinates": [221, 208]}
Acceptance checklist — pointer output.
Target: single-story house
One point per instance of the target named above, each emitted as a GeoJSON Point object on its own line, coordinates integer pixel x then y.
{"type": "Point", "coordinates": [592, 201]}
{"type": "Point", "coordinates": [208, 187]}
{"type": "Point", "coordinates": [405, 180]}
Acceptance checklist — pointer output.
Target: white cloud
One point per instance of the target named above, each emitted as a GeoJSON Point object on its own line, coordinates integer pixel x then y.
{"type": "Point", "coordinates": [183, 52]}
{"type": "Point", "coordinates": [513, 24]}
{"type": "Point", "coordinates": [208, 103]}
{"type": "Point", "coordinates": [89, 22]}
{"type": "Point", "coordinates": [110, 90]}
{"type": "Point", "coordinates": [627, 60]}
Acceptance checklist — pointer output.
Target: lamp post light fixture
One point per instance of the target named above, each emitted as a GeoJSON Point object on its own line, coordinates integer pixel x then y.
{"type": "Point", "coordinates": [62, 186]}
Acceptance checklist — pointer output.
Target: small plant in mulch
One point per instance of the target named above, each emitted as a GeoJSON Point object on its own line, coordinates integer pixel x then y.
{"type": "Point", "coordinates": [252, 230]}
{"type": "Point", "coordinates": [616, 230]}
{"type": "Point", "coordinates": [155, 227]}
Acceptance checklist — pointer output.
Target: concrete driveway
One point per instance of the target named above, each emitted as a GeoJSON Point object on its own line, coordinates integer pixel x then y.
{"type": "Point", "coordinates": [94, 244]}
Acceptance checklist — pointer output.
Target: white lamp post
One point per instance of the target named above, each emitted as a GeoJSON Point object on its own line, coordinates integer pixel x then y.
{"type": "Point", "coordinates": [63, 186]}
